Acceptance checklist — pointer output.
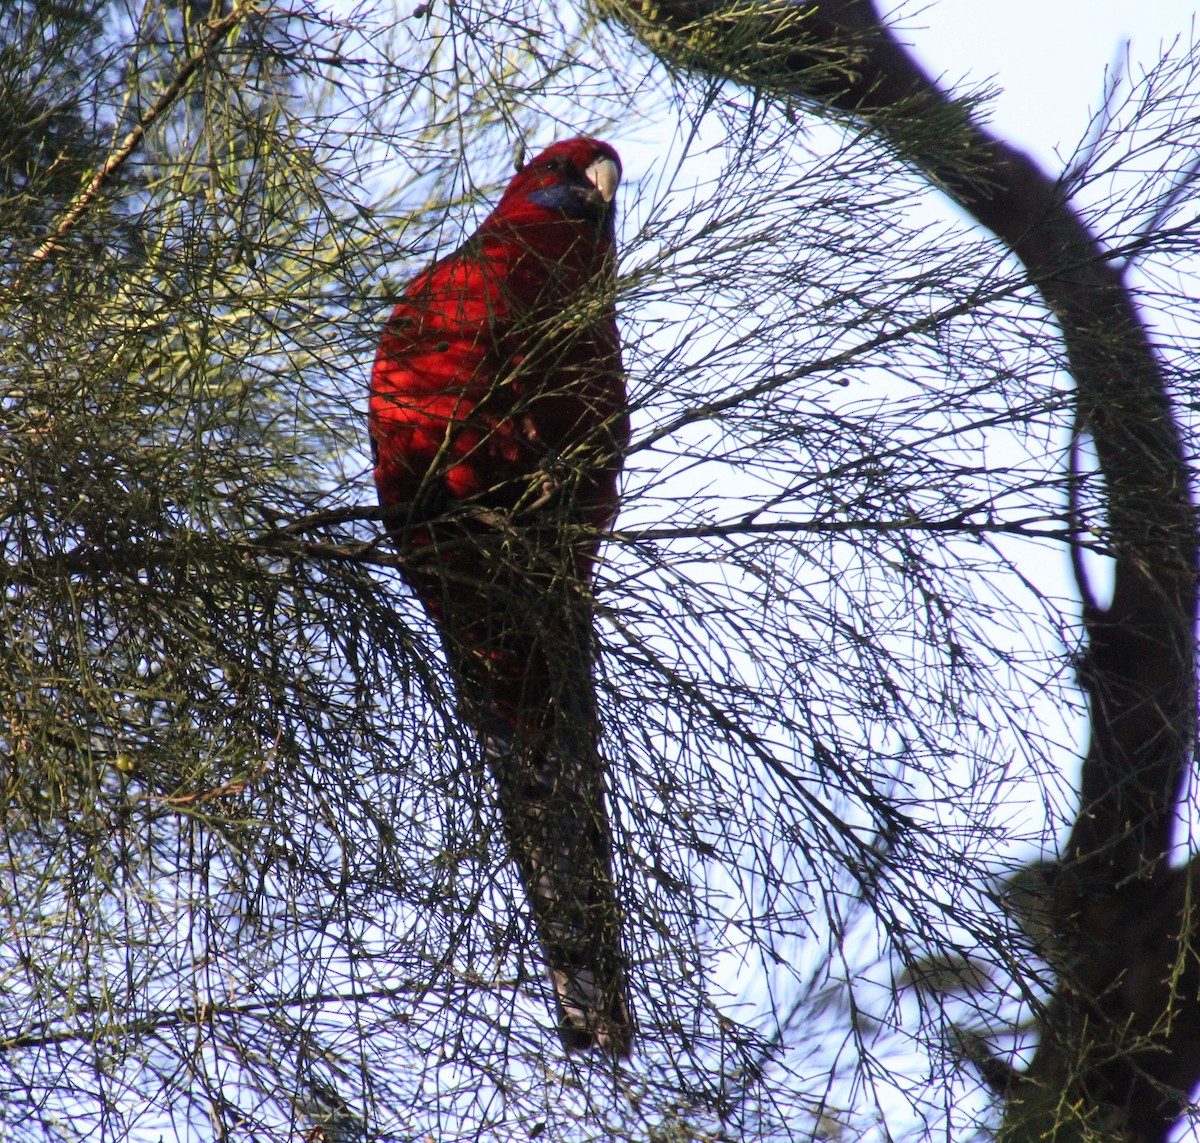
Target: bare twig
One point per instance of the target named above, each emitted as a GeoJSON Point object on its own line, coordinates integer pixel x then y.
{"type": "Point", "coordinates": [79, 205]}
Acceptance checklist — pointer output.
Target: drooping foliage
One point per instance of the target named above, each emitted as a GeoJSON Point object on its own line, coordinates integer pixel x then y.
{"type": "Point", "coordinates": [252, 883]}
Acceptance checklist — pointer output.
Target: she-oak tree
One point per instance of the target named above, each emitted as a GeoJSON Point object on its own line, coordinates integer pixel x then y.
{"type": "Point", "coordinates": [253, 886]}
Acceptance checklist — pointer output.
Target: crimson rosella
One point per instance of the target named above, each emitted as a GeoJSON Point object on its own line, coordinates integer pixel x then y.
{"type": "Point", "coordinates": [497, 426]}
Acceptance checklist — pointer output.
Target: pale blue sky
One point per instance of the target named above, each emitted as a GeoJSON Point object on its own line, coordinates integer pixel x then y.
{"type": "Point", "coordinates": [1049, 56]}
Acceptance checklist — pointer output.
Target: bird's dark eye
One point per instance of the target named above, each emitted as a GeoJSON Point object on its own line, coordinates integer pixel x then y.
{"type": "Point", "coordinates": [554, 164]}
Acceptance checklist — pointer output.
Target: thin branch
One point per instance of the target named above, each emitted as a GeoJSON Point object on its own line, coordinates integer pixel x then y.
{"type": "Point", "coordinates": [191, 1015]}
{"type": "Point", "coordinates": [79, 205]}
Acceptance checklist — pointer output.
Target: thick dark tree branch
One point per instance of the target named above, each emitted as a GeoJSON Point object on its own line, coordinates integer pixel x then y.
{"type": "Point", "coordinates": [1120, 1046]}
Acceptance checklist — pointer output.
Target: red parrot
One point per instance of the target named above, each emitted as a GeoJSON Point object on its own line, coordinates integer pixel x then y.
{"type": "Point", "coordinates": [498, 423]}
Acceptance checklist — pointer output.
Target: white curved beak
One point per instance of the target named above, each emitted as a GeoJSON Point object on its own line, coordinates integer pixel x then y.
{"type": "Point", "coordinates": [605, 176]}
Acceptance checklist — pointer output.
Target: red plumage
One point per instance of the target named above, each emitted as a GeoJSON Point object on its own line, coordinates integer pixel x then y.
{"type": "Point", "coordinates": [498, 420]}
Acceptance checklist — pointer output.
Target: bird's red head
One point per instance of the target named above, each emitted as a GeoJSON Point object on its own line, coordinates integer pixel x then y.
{"type": "Point", "coordinates": [575, 179]}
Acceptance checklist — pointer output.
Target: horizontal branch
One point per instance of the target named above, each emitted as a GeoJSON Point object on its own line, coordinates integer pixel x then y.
{"type": "Point", "coordinates": [103, 560]}
{"type": "Point", "coordinates": [190, 1015]}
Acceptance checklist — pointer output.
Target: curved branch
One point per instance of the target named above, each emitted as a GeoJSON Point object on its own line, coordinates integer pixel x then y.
{"type": "Point", "coordinates": [1119, 1046]}
{"type": "Point", "coordinates": [1141, 676]}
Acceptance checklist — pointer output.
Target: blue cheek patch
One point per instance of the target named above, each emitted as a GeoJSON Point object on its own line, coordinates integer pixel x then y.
{"type": "Point", "coordinates": [564, 198]}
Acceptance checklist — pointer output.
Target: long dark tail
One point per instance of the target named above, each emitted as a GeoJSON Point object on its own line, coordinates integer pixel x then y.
{"type": "Point", "coordinates": [517, 626]}
{"type": "Point", "coordinates": [552, 803]}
